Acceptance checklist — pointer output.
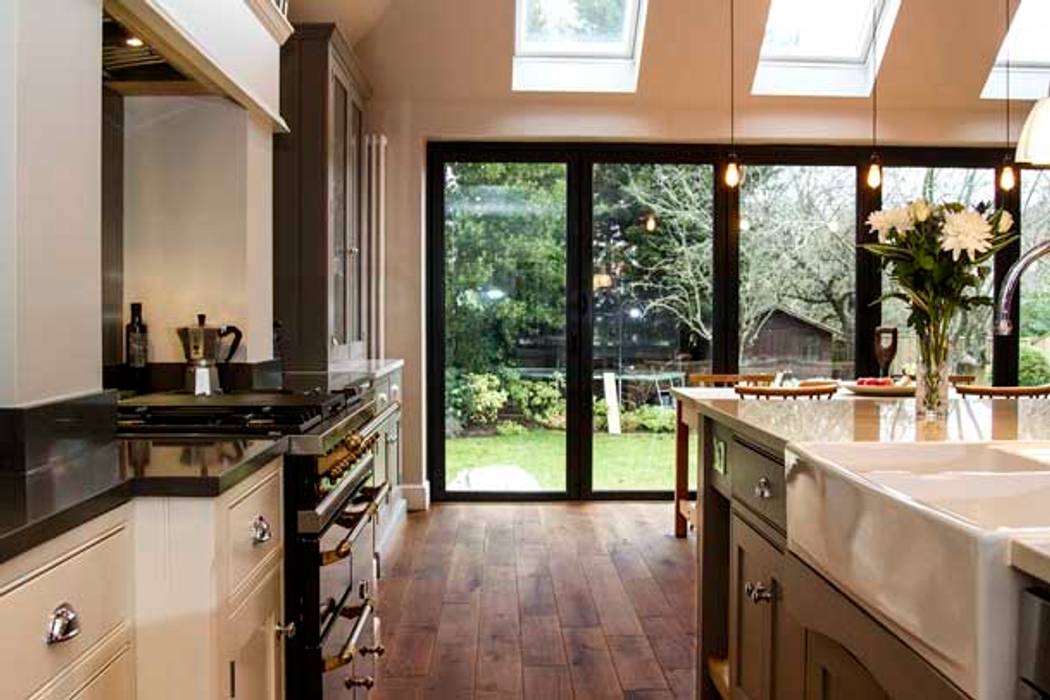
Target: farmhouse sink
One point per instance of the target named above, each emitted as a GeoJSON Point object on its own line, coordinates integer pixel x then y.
{"type": "Point", "coordinates": [918, 534]}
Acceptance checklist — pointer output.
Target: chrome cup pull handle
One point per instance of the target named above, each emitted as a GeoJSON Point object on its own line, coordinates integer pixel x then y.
{"type": "Point", "coordinates": [366, 682]}
{"type": "Point", "coordinates": [62, 625]}
{"type": "Point", "coordinates": [286, 631]}
{"type": "Point", "coordinates": [764, 489]}
{"type": "Point", "coordinates": [261, 530]}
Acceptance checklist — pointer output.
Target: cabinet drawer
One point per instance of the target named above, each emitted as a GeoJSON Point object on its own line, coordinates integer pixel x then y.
{"type": "Point", "coordinates": [93, 582]}
{"type": "Point", "coordinates": [758, 481]}
{"type": "Point", "coordinates": [115, 682]}
{"type": "Point", "coordinates": [254, 528]}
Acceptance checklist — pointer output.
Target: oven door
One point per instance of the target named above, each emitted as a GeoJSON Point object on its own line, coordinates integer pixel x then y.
{"type": "Point", "coordinates": [349, 626]}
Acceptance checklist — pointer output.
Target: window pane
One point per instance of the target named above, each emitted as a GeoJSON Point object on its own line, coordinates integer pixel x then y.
{"type": "Point", "coordinates": [1025, 44]}
{"type": "Point", "coordinates": [797, 262]}
{"type": "Point", "coordinates": [652, 313]}
{"type": "Point", "coordinates": [971, 351]}
{"type": "Point", "coordinates": [594, 27]}
{"type": "Point", "coordinates": [1035, 285]}
{"type": "Point", "coordinates": [505, 248]}
{"type": "Point", "coordinates": [817, 29]}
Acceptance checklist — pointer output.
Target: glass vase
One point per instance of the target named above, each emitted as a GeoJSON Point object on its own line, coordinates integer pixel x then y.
{"type": "Point", "coordinates": [931, 376]}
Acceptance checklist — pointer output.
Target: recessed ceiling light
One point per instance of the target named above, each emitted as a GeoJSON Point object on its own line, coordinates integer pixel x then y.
{"type": "Point", "coordinates": [134, 42]}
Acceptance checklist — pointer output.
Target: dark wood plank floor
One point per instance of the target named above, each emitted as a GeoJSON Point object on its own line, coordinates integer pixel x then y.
{"type": "Point", "coordinates": [592, 600]}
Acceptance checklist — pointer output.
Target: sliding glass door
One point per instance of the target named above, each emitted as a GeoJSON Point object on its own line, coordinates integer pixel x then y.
{"type": "Point", "coordinates": [572, 287]}
{"type": "Point", "coordinates": [651, 280]}
{"type": "Point", "coordinates": [505, 361]}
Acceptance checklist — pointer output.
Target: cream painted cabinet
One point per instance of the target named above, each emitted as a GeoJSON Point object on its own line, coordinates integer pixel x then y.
{"type": "Point", "coordinates": [209, 592]}
{"type": "Point", "coordinates": [67, 615]}
{"type": "Point", "coordinates": [256, 653]}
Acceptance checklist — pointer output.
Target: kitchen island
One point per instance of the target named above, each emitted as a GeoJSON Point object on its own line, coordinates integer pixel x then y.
{"type": "Point", "coordinates": [786, 528]}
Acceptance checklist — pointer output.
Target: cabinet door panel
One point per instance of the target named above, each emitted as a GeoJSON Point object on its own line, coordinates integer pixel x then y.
{"type": "Point", "coordinates": [832, 673]}
{"type": "Point", "coordinates": [753, 600]}
{"type": "Point", "coordinates": [256, 649]}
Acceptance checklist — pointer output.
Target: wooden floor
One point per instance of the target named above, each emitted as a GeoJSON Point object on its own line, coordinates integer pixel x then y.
{"type": "Point", "coordinates": [548, 601]}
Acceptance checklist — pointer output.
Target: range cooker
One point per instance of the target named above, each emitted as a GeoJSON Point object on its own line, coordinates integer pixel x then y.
{"type": "Point", "coordinates": [332, 498]}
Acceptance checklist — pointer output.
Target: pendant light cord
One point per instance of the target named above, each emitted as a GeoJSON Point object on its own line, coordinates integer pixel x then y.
{"type": "Point", "coordinates": [1006, 25]}
{"type": "Point", "coordinates": [732, 75]}
{"type": "Point", "coordinates": [875, 76]}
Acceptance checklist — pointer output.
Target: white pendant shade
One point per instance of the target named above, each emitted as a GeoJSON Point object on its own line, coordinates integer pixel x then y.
{"type": "Point", "coordinates": [1033, 147]}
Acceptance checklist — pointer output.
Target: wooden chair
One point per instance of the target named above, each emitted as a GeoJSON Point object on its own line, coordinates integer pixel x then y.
{"type": "Point", "coordinates": [729, 380]}
{"type": "Point", "coordinates": [1003, 392]}
{"type": "Point", "coordinates": [812, 391]}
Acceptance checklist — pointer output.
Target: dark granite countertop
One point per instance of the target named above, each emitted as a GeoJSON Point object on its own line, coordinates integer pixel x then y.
{"type": "Point", "coordinates": [38, 505]}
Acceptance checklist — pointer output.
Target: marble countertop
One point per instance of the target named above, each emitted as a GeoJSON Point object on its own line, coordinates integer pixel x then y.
{"type": "Point", "coordinates": [38, 505]}
{"type": "Point", "coordinates": [1031, 554]}
{"type": "Point", "coordinates": [856, 419]}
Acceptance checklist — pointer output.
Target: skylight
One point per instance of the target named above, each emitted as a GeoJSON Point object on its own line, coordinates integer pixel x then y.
{"type": "Point", "coordinates": [820, 48]}
{"type": "Point", "coordinates": [1028, 51]}
{"type": "Point", "coordinates": [578, 45]}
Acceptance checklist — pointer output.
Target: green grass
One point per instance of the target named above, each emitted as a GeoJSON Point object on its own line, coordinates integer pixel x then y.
{"type": "Point", "coordinates": [640, 461]}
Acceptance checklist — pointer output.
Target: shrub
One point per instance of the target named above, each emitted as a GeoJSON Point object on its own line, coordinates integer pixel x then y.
{"type": "Point", "coordinates": [648, 418]}
{"type": "Point", "coordinates": [601, 415]}
{"type": "Point", "coordinates": [509, 427]}
{"type": "Point", "coordinates": [536, 400]}
{"type": "Point", "coordinates": [474, 399]}
{"type": "Point", "coordinates": [1033, 367]}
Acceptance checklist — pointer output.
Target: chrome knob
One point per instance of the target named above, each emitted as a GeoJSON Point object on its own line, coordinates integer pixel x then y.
{"type": "Point", "coordinates": [364, 589]}
{"type": "Point", "coordinates": [758, 592]}
{"type": "Point", "coordinates": [261, 530]}
{"type": "Point", "coordinates": [286, 631]}
{"type": "Point", "coordinates": [62, 625]}
{"type": "Point", "coordinates": [355, 682]}
{"type": "Point", "coordinates": [764, 489]}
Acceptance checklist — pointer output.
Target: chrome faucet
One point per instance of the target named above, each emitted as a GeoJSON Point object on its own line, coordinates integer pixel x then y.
{"type": "Point", "coordinates": [1003, 324]}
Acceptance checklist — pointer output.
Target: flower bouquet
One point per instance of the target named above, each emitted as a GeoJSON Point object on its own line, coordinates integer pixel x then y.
{"type": "Point", "coordinates": [939, 256]}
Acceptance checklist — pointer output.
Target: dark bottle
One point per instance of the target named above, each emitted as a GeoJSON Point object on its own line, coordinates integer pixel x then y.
{"type": "Point", "coordinates": [136, 348]}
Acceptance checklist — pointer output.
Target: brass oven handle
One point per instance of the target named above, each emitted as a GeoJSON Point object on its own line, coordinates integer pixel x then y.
{"type": "Point", "coordinates": [349, 650]}
{"type": "Point", "coordinates": [372, 426]}
{"type": "Point", "coordinates": [346, 545]}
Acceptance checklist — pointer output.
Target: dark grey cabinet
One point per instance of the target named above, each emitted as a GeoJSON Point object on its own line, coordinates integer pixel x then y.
{"type": "Point", "coordinates": [788, 633]}
{"type": "Point", "coordinates": [754, 590]}
{"type": "Point", "coordinates": [319, 249]}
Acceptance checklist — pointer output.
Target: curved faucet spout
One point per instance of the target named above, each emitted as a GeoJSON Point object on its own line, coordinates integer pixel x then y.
{"type": "Point", "coordinates": [1003, 324]}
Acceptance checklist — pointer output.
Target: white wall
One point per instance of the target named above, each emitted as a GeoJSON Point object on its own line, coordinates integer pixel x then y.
{"type": "Point", "coordinates": [197, 220]}
{"type": "Point", "coordinates": [50, 200]}
{"type": "Point", "coordinates": [443, 71]}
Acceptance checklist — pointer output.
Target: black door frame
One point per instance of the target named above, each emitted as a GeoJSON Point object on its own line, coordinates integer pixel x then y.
{"type": "Point", "coordinates": [580, 159]}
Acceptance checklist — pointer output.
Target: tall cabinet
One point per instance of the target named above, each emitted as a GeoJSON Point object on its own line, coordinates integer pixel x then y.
{"type": "Point", "coordinates": [321, 250]}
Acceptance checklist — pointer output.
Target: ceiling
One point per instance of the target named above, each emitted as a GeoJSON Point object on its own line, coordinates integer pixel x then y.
{"type": "Point", "coordinates": [938, 57]}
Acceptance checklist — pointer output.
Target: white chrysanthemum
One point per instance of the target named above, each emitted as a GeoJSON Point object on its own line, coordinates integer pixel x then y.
{"type": "Point", "coordinates": [898, 219]}
{"type": "Point", "coordinates": [966, 231]}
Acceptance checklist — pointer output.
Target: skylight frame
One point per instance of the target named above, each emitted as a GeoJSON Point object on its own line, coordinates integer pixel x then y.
{"type": "Point", "coordinates": [580, 66]}
{"type": "Point", "coordinates": [828, 75]}
{"type": "Point", "coordinates": [859, 57]}
{"type": "Point", "coordinates": [1029, 79]}
{"type": "Point", "coordinates": [622, 49]}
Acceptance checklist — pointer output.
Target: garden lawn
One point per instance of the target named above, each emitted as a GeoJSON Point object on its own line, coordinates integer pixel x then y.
{"type": "Point", "coordinates": [637, 461]}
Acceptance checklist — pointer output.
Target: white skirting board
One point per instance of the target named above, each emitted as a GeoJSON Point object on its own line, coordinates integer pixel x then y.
{"type": "Point", "coordinates": [416, 495]}
{"type": "Point", "coordinates": [392, 519]}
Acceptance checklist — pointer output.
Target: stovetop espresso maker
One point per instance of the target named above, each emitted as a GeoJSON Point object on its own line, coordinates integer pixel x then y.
{"type": "Point", "coordinates": [202, 345]}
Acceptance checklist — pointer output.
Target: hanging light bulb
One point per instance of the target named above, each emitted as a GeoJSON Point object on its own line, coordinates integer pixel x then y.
{"type": "Point", "coordinates": [1007, 176]}
{"type": "Point", "coordinates": [650, 222]}
{"type": "Point", "coordinates": [734, 172]}
{"type": "Point", "coordinates": [874, 176]}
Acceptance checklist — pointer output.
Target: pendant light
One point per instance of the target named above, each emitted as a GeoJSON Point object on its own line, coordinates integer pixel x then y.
{"type": "Point", "coordinates": [734, 172]}
{"type": "Point", "coordinates": [1007, 176]}
{"type": "Point", "coordinates": [874, 175]}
